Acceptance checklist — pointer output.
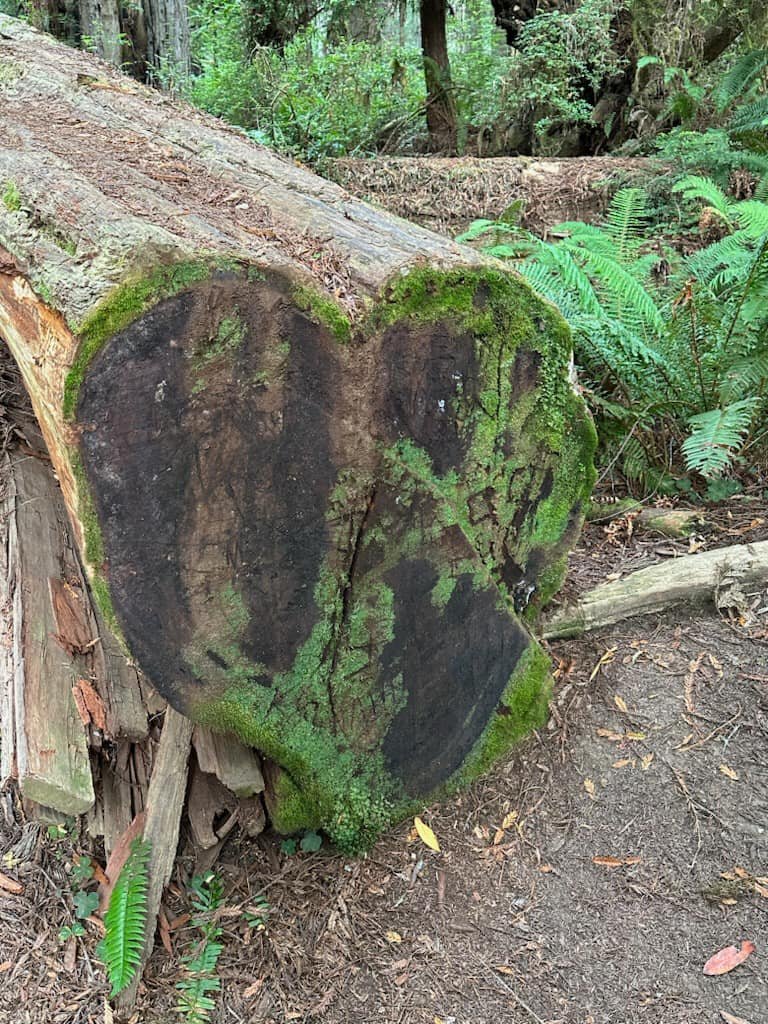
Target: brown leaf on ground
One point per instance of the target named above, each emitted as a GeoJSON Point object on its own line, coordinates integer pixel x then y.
{"type": "Point", "coordinates": [70, 955]}
{"type": "Point", "coordinates": [119, 856]}
{"type": "Point", "coordinates": [615, 862]}
{"type": "Point", "coordinates": [10, 884]}
{"type": "Point", "coordinates": [726, 959]}
{"type": "Point", "coordinates": [730, 1019]}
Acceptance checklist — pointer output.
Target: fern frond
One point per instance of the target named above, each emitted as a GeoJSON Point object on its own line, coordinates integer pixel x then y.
{"type": "Point", "coordinates": [753, 217]}
{"type": "Point", "coordinates": [730, 252]}
{"type": "Point", "coordinates": [740, 76]}
{"type": "Point", "coordinates": [626, 219]}
{"type": "Point", "coordinates": [625, 297]}
{"type": "Point", "coordinates": [752, 117]}
{"type": "Point", "coordinates": [125, 919]}
{"type": "Point", "coordinates": [693, 186]}
{"type": "Point", "coordinates": [716, 436]}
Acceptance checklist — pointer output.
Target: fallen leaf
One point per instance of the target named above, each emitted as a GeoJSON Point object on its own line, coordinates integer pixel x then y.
{"type": "Point", "coordinates": [741, 872]}
{"type": "Point", "coordinates": [609, 734]}
{"type": "Point", "coordinates": [426, 835]}
{"type": "Point", "coordinates": [394, 937]}
{"type": "Point", "coordinates": [165, 933]}
{"type": "Point", "coordinates": [70, 955]}
{"type": "Point", "coordinates": [504, 969]}
{"type": "Point", "coordinates": [590, 788]}
{"type": "Point", "coordinates": [608, 862]}
{"type": "Point", "coordinates": [620, 703]}
{"type": "Point", "coordinates": [546, 869]}
{"type": "Point", "coordinates": [253, 989]}
{"type": "Point", "coordinates": [761, 890]}
{"type": "Point", "coordinates": [729, 772]}
{"type": "Point", "coordinates": [726, 959]}
{"type": "Point", "coordinates": [622, 763]}
{"type": "Point", "coordinates": [498, 837]}
{"type": "Point", "coordinates": [509, 820]}
{"type": "Point", "coordinates": [6, 965]}
{"type": "Point", "coordinates": [645, 762]}
{"type": "Point", "coordinates": [11, 885]}
{"type": "Point", "coordinates": [730, 1019]}
{"type": "Point", "coordinates": [635, 736]}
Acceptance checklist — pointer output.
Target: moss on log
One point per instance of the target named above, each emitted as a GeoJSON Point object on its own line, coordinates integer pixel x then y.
{"type": "Point", "coordinates": [322, 464]}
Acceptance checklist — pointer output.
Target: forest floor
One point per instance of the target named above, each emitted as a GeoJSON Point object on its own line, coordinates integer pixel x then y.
{"type": "Point", "coordinates": [585, 881]}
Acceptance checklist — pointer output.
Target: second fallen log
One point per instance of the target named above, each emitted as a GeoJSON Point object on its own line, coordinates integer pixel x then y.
{"type": "Point", "coordinates": [321, 462]}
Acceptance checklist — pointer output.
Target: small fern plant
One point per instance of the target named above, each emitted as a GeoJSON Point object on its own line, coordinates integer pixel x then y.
{"type": "Point", "coordinates": [675, 350]}
{"type": "Point", "coordinates": [200, 981]}
{"type": "Point", "coordinates": [125, 920]}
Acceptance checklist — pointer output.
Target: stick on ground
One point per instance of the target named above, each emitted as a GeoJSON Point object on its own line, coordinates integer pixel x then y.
{"type": "Point", "coordinates": [692, 578]}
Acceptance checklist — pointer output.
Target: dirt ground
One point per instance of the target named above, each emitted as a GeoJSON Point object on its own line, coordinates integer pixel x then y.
{"type": "Point", "coordinates": [655, 756]}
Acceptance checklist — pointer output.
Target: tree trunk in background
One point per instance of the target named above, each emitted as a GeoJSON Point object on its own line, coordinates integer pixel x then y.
{"type": "Point", "coordinates": [167, 41]}
{"type": "Point", "coordinates": [100, 29]}
{"type": "Point", "coordinates": [442, 118]}
{"type": "Point", "coordinates": [322, 464]}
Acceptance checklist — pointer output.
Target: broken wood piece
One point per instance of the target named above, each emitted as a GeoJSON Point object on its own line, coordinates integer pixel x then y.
{"type": "Point", "coordinates": [165, 801]}
{"type": "Point", "coordinates": [671, 522]}
{"type": "Point", "coordinates": [207, 800]}
{"type": "Point", "coordinates": [238, 767]}
{"type": "Point", "coordinates": [52, 762]}
{"type": "Point", "coordinates": [691, 578]}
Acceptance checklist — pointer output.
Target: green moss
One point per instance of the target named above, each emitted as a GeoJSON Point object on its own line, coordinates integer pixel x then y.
{"type": "Point", "coordinates": [93, 542]}
{"type": "Point", "coordinates": [120, 308]}
{"type": "Point", "coordinates": [325, 311]}
{"type": "Point", "coordinates": [11, 197]}
{"type": "Point", "coordinates": [522, 708]}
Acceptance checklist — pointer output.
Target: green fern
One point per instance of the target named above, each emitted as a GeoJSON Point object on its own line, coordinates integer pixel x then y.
{"type": "Point", "coordinates": [626, 219]}
{"type": "Point", "coordinates": [125, 919]}
{"type": "Point", "coordinates": [200, 981]}
{"type": "Point", "coordinates": [716, 436]}
{"type": "Point", "coordinates": [742, 74]}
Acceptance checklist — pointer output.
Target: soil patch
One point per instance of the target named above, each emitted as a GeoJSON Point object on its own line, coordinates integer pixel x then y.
{"type": "Point", "coordinates": [654, 762]}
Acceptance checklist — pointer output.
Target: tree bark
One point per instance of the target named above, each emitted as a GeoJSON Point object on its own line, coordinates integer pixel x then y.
{"type": "Point", "coordinates": [442, 117]}
{"type": "Point", "coordinates": [167, 42]}
{"type": "Point", "coordinates": [319, 461]}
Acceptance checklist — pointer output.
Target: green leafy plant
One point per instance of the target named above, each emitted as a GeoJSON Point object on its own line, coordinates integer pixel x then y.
{"type": "Point", "coordinates": [125, 919]}
{"type": "Point", "coordinates": [200, 981]}
{"type": "Point", "coordinates": [256, 913]}
{"type": "Point", "coordinates": [674, 350]}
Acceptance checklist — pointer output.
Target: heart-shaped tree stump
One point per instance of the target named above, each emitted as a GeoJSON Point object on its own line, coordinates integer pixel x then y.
{"type": "Point", "coordinates": [322, 463]}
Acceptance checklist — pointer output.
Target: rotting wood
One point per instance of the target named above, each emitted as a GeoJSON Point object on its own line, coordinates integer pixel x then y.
{"type": "Point", "coordinates": [165, 802]}
{"type": "Point", "coordinates": [52, 763]}
{"type": "Point", "coordinates": [235, 765]}
{"type": "Point", "coordinates": [206, 801]}
{"type": "Point", "coordinates": [323, 465]}
{"type": "Point", "coordinates": [699, 578]}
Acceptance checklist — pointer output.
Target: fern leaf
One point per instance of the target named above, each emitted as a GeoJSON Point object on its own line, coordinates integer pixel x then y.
{"type": "Point", "coordinates": [752, 117]}
{"type": "Point", "coordinates": [716, 436]}
{"type": "Point", "coordinates": [740, 76]}
{"type": "Point", "coordinates": [753, 217]}
{"type": "Point", "coordinates": [625, 221]}
{"type": "Point", "coordinates": [625, 297]}
{"type": "Point", "coordinates": [695, 187]}
{"type": "Point", "coordinates": [125, 919]}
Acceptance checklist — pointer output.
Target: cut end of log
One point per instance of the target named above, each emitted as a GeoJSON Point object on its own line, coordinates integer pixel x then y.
{"type": "Point", "coordinates": [323, 464]}
{"type": "Point", "coordinates": [428, 473]}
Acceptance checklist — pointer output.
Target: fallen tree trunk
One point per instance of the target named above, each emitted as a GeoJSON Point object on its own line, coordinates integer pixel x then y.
{"type": "Point", "coordinates": [700, 578]}
{"type": "Point", "coordinates": [447, 194]}
{"type": "Point", "coordinates": [318, 460]}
